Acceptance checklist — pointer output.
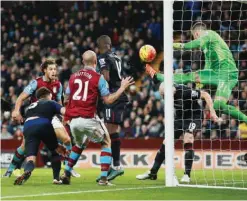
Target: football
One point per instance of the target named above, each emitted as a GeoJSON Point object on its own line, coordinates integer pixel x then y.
{"type": "Point", "coordinates": [147, 53]}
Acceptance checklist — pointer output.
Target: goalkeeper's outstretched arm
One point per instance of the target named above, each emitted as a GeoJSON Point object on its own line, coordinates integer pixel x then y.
{"type": "Point", "coordinates": [197, 43]}
{"type": "Point", "coordinates": [157, 77]}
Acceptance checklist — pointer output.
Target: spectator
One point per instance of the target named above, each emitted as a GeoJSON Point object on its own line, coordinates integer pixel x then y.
{"type": "Point", "coordinates": [5, 134]}
{"type": "Point", "coordinates": [137, 128]}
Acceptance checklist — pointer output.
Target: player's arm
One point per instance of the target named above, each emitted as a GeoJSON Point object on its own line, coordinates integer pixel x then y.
{"type": "Point", "coordinates": [66, 95]}
{"type": "Point", "coordinates": [157, 77]}
{"type": "Point", "coordinates": [192, 44]}
{"type": "Point", "coordinates": [111, 98]}
{"type": "Point", "coordinates": [59, 95]}
{"type": "Point", "coordinates": [29, 90]}
{"type": "Point", "coordinates": [106, 74]}
{"type": "Point", "coordinates": [209, 102]}
{"type": "Point", "coordinates": [58, 109]}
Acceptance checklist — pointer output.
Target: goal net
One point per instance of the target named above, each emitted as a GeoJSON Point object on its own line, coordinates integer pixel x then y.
{"type": "Point", "coordinates": [217, 64]}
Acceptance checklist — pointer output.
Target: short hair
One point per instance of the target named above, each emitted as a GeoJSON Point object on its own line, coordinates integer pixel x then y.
{"type": "Point", "coordinates": [42, 92]}
{"type": "Point", "coordinates": [47, 62]}
{"type": "Point", "coordinates": [103, 41]}
{"type": "Point", "coordinates": [199, 25]}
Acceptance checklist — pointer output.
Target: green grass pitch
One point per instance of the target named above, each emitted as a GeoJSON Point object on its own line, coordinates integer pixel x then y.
{"type": "Point", "coordinates": [39, 187]}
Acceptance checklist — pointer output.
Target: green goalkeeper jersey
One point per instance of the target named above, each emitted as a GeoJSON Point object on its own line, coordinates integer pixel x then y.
{"type": "Point", "coordinates": [218, 57]}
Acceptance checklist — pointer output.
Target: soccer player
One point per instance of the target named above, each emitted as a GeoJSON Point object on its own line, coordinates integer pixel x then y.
{"type": "Point", "coordinates": [85, 87]}
{"type": "Point", "coordinates": [188, 118]}
{"type": "Point", "coordinates": [37, 128]}
{"type": "Point", "coordinates": [49, 80]}
{"type": "Point", "coordinates": [110, 68]}
{"type": "Point", "coordinates": [220, 69]}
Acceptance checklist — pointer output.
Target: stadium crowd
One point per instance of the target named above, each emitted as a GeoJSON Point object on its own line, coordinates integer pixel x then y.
{"type": "Point", "coordinates": [33, 31]}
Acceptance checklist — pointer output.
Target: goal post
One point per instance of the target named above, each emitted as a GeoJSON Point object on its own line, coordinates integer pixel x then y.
{"type": "Point", "coordinates": [168, 91]}
{"type": "Point", "coordinates": [219, 148]}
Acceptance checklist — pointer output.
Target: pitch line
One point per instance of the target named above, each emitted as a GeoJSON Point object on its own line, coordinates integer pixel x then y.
{"type": "Point", "coordinates": [118, 189]}
{"type": "Point", "coordinates": [86, 191]}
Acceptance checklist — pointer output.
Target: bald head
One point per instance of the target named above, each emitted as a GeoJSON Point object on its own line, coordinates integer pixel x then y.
{"type": "Point", "coordinates": [89, 58]}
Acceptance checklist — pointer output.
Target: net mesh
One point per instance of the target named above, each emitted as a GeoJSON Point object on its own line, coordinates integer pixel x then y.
{"type": "Point", "coordinates": [219, 147]}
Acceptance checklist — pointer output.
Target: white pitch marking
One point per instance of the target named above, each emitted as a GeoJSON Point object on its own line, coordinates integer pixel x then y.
{"type": "Point", "coordinates": [216, 187]}
{"type": "Point", "coordinates": [78, 192]}
{"type": "Point", "coordinates": [118, 189]}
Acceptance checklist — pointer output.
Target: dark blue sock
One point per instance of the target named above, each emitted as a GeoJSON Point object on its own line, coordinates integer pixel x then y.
{"type": "Point", "coordinates": [29, 166]}
{"type": "Point", "coordinates": [115, 148]}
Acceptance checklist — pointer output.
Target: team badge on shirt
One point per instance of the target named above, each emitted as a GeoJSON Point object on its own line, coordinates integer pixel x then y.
{"type": "Point", "coordinates": [54, 89]}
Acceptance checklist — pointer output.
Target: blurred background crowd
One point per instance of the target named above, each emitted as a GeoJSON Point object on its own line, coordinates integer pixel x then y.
{"type": "Point", "coordinates": [33, 31]}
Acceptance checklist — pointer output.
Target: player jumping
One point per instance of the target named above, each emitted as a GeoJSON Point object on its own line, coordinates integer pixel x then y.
{"type": "Point", "coordinates": [38, 128]}
{"type": "Point", "coordinates": [188, 118]}
{"type": "Point", "coordinates": [110, 68]}
{"type": "Point", "coordinates": [220, 69]}
{"type": "Point", "coordinates": [49, 80]}
{"type": "Point", "coordinates": [85, 86]}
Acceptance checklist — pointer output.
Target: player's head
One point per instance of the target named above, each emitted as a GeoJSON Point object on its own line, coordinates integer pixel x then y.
{"type": "Point", "coordinates": [49, 68]}
{"type": "Point", "coordinates": [197, 29]}
{"type": "Point", "coordinates": [43, 93]}
{"type": "Point", "coordinates": [104, 43]}
{"type": "Point", "coordinates": [89, 58]}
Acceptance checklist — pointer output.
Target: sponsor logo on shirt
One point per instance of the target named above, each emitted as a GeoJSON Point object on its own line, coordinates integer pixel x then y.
{"type": "Point", "coordinates": [102, 61]}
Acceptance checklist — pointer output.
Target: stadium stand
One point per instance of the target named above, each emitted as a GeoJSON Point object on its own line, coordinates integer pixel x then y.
{"type": "Point", "coordinates": [32, 31]}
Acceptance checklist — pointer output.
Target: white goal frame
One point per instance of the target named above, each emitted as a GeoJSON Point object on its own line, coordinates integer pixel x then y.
{"type": "Point", "coordinates": [170, 179]}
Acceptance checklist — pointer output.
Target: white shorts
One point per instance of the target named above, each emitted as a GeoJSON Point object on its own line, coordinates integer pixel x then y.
{"type": "Point", "coordinates": [56, 123]}
{"type": "Point", "coordinates": [93, 129]}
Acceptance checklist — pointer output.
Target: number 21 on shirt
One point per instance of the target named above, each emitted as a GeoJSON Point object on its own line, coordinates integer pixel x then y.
{"type": "Point", "coordinates": [81, 86]}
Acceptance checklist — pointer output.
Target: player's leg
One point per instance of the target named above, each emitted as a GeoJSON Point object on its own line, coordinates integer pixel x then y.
{"type": "Point", "coordinates": [64, 138]}
{"type": "Point", "coordinates": [189, 155]}
{"type": "Point", "coordinates": [51, 141]}
{"type": "Point", "coordinates": [159, 159]}
{"type": "Point", "coordinates": [223, 93]}
{"type": "Point", "coordinates": [28, 168]}
{"type": "Point", "coordinates": [105, 160]}
{"type": "Point", "coordinates": [76, 151]}
{"type": "Point", "coordinates": [76, 126]}
{"type": "Point", "coordinates": [17, 160]}
{"type": "Point", "coordinates": [113, 116]}
{"type": "Point", "coordinates": [102, 136]}
{"type": "Point", "coordinates": [32, 143]}
{"type": "Point", "coordinates": [61, 132]}
{"type": "Point", "coordinates": [160, 156]}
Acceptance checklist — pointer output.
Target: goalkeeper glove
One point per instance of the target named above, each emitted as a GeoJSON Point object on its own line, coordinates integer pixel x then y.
{"type": "Point", "coordinates": [150, 71]}
{"type": "Point", "coordinates": [178, 45]}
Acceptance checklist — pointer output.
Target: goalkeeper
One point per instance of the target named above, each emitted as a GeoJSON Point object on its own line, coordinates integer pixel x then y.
{"type": "Point", "coordinates": [220, 69]}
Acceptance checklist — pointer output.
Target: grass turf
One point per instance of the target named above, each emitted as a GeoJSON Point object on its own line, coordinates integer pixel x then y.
{"type": "Point", "coordinates": [39, 187]}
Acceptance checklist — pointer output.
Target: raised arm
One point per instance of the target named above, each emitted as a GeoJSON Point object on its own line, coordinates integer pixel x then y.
{"type": "Point", "coordinates": [198, 43]}
{"type": "Point", "coordinates": [111, 98]}
{"type": "Point", "coordinates": [59, 95]}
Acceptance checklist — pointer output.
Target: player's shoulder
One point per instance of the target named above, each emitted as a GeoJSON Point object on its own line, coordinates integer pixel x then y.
{"type": "Point", "coordinates": [107, 57]}
{"type": "Point", "coordinates": [103, 59]}
{"type": "Point", "coordinates": [47, 102]}
{"type": "Point", "coordinates": [181, 90]}
{"type": "Point", "coordinates": [212, 33]}
{"type": "Point", "coordinates": [38, 79]}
